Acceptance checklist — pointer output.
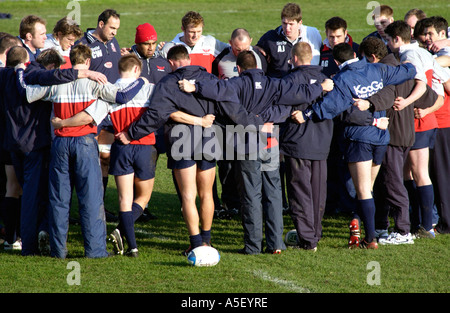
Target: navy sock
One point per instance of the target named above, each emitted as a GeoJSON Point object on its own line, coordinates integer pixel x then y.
{"type": "Point", "coordinates": [105, 184]}
{"type": "Point", "coordinates": [426, 200]}
{"type": "Point", "coordinates": [137, 211]}
{"type": "Point", "coordinates": [195, 240]}
{"type": "Point", "coordinates": [126, 219]}
{"type": "Point", "coordinates": [11, 218]}
{"type": "Point", "coordinates": [367, 209]}
{"type": "Point", "coordinates": [206, 236]}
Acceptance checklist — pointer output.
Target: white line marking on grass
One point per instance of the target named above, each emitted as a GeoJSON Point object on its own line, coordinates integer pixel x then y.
{"type": "Point", "coordinates": [150, 234]}
{"type": "Point", "coordinates": [290, 285]}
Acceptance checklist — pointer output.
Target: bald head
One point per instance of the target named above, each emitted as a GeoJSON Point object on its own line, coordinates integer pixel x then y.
{"type": "Point", "coordinates": [240, 41]}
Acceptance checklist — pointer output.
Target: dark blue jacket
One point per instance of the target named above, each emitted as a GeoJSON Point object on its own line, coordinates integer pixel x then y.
{"type": "Point", "coordinates": [105, 56]}
{"type": "Point", "coordinates": [153, 68]}
{"type": "Point", "coordinates": [310, 140]}
{"type": "Point", "coordinates": [168, 98]}
{"type": "Point", "coordinates": [258, 92]}
{"type": "Point", "coordinates": [28, 124]}
{"type": "Point", "coordinates": [360, 80]}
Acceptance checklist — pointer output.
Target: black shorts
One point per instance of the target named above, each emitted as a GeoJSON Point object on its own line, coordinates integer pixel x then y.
{"type": "Point", "coordinates": [360, 152]}
{"type": "Point", "coordinates": [425, 139]}
{"type": "Point", "coordinates": [137, 159]}
{"type": "Point", "coordinates": [181, 164]}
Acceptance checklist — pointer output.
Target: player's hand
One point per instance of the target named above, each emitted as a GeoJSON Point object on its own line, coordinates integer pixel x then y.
{"type": "Point", "coordinates": [420, 113]}
{"type": "Point", "coordinates": [382, 123]}
{"type": "Point", "coordinates": [124, 51]}
{"type": "Point", "coordinates": [161, 45]}
{"type": "Point", "coordinates": [97, 76]}
{"type": "Point", "coordinates": [327, 85]}
{"type": "Point", "coordinates": [297, 116]}
{"type": "Point", "coordinates": [400, 103]}
{"type": "Point", "coordinates": [20, 66]}
{"type": "Point", "coordinates": [208, 120]}
{"type": "Point", "coordinates": [186, 86]}
{"type": "Point", "coordinates": [362, 104]}
{"type": "Point", "coordinates": [57, 123]}
{"type": "Point", "coordinates": [437, 45]}
{"type": "Point", "coordinates": [267, 128]}
{"type": "Point", "coordinates": [123, 137]}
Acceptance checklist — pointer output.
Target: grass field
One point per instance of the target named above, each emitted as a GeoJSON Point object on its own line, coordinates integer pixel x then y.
{"type": "Point", "coordinates": [160, 268]}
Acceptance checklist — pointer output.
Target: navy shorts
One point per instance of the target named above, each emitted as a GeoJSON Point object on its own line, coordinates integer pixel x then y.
{"type": "Point", "coordinates": [360, 152]}
{"type": "Point", "coordinates": [425, 139]}
{"type": "Point", "coordinates": [181, 164]}
{"type": "Point", "coordinates": [106, 125]}
{"type": "Point", "coordinates": [137, 159]}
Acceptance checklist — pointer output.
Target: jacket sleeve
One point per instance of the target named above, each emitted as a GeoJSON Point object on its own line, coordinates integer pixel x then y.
{"type": "Point", "coordinates": [396, 75]}
{"type": "Point", "coordinates": [237, 114]}
{"type": "Point", "coordinates": [294, 94]}
{"type": "Point", "coordinates": [157, 113]}
{"type": "Point", "coordinates": [333, 103]}
{"type": "Point", "coordinates": [219, 90]}
{"type": "Point", "coordinates": [52, 77]}
{"type": "Point", "coordinates": [383, 99]}
{"type": "Point", "coordinates": [354, 116]}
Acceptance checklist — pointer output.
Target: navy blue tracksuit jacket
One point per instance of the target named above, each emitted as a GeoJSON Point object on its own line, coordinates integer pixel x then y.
{"type": "Point", "coordinates": [168, 98]}
{"type": "Point", "coordinates": [296, 139]}
{"type": "Point", "coordinates": [360, 80]}
{"type": "Point", "coordinates": [28, 124]}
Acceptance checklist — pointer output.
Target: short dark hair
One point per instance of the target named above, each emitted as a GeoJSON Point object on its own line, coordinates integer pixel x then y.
{"type": "Point", "coordinates": [50, 56]}
{"type": "Point", "coordinates": [373, 45]}
{"type": "Point", "coordinates": [439, 23]}
{"type": "Point", "coordinates": [335, 23]}
{"type": "Point", "coordinates": [399, 29]}
{"type": "Point", "coordinates": [343, 52]}
{"type": "Point", "coordinates": [27, 25]}
{"type": "Point", "coordinates": [16, 55]}
{"type": "Point", "coordinates": [246, 60]}
{"type": "Point", "coordinates": [8, 41]}
{"type": "Point", "coordinates": [292, 11]}
{"type": "Point", "coordinates": [106, 15]}
{"type": "Point", "coordinates": [178, 52]}
{"type": "Point", "coordinates": [419, 28]}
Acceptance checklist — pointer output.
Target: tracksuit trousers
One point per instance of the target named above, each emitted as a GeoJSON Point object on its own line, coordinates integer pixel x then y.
{"type": "Point", "coordinates": [306, 182]}
{"type": "Point", "coordinates": [32, 172]}
{"type": "Point", "coordinates": [390, 193]}
{"type": "Point", "coordinates": [259, 186]}
{"type": "Point", "coordinates": [440, 175]}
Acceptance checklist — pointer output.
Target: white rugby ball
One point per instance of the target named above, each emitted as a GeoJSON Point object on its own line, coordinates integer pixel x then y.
{"type": "Point", "coordinates": [291, 238]}
{"type": "Point", "coordinates": [203, 256]}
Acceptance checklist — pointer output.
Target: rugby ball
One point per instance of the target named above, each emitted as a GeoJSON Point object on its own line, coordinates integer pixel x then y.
{"type": "Point", "coordinates": [203, 256]}
{"type": "Point", "coordinates": [291, 238]}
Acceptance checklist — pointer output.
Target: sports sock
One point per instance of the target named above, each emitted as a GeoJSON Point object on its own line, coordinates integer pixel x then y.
{"type": "Point", "coordinates": [410, 186]}
{"type": "Point", "coordinates": [195, 240]}
{"type": "Point", "coordinates": [105, 185]}
{"type": "Point", "coordinates": [137, 211]}
{"type": "Point", "coordinates": [426, 200]}
{"type": "Point", "coordinates": [367, 209]}
{"type": "Point", "coordinates": [127, 222]}
{"type": "Point", "coordinates": [12, 219]}
{"type": "Point", "coordinates": [206, 236]}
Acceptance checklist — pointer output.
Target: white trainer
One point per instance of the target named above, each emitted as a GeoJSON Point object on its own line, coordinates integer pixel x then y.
{"type": "Point", "coordinates": [398, 239]}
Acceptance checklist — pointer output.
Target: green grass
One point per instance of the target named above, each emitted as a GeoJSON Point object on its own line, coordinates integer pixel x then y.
{"type": "Point", "coordinates": [419, 268]}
